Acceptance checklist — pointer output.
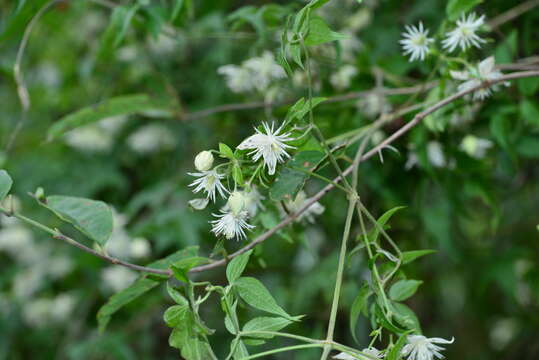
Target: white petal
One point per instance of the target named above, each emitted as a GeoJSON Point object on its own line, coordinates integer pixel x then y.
{"type": "Point", "coordinates": [486, 66]}
{"type": "Point", "coordinates": [459, 75]}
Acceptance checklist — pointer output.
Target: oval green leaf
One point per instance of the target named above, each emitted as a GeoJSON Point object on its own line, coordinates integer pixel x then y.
{"type": "Point", "coordinates": [92, 218]}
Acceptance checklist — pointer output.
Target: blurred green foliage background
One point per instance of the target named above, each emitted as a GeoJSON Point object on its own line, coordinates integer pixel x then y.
{"type": "Point", "coordinates": [481, 215]}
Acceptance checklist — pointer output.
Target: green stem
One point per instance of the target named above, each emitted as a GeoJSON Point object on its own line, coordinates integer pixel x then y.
{"type": "Point", "coordinates": [338, 280]}
{"type": "Point", "coordinates": [254, 174]}
{"type": "Point", "coordinates": [318, 133]}
{"type": "Point", "coordinates": [58, 235]}
{"type": "Point", "coordinates": [321, 177]}
{"type": "Point", "coordinates": [288, 348]}
{"type": "Point", "coordinates": [375, 272]}
{"type": "Point", "coordinates": [30, 221]}
{"type": "Point", "coordinates": [281, 334]}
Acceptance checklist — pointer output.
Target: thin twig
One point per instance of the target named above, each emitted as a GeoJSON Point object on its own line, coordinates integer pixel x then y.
{"type": "Point", "coordinates": [22, 90]}
{"type": "Point", "coordinates": [512, 13]}
{"type": "Point", "coordinates": [58, 235]}
{"type": "Point", "coordinates": [339, 98]}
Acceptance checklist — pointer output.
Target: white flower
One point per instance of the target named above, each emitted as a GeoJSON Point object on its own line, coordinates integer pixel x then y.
{"type": "Point", "coordinates": [36, 313]}
{"type": "Point", "coordinates": [343, 77]}
{"type": "Point", "coordinates": [464, 35]}
{"type": "Point", "coordinates": [204, 161]}
{"type": "Point", "coordinates": [485, 72]}
{"type": "Point", "coordinates": [263, 70]}
{"type": "Point", "coordinates": [421, 348]}
{"type": "Point", "coordinates": [371, 352]}
{"type": "Point", "coordinates": [350, 45]}
{"type": "Point", "coordinates": [236, 202]}
{"type": "Point", "coordinates": [269, 146]}
{"type": "Point", "coordinates": [255, 73]}
{"type": "Point", "coordinates": [435, 154]}
{"type": "Point", "coordinates": [151, 138]}
{"type": "Point", "coordinates": [293, 206]}
{"type": "Point", "coordinates": [209, 181]}
{"type": "Point", "coordinates": [253, 201]}
{"type": "Point", "coordinates": [117, 278]}
{"type": "Point", "coordinates": [164, 45]}
{"type": "Point", "coordinates": [14, 239]}
{"type": "Point", "coordinates": [140, 248]}
{"type": "Point", "coordinates": [62, 307]}
{"type": "Point", "coordinates": [411, 161]}
{"type": "Point", "coordinates": [416, 42]}
{"type": "Point", "coordinates": [198, 204]}
{"type": "Point", "coordinates": [238, 79]}
{"type": "Point", "coordinates": [97, 137]}
{"type": "Point", "coordinates": [231, 225]}
{"type": "Point", "coordinates": [89, 139]}
{"type": "Point", "coordinates": [475, 147]}
{"type": "Point", "coordinates": [119, 242]}
{"type": "Point", "coordinates": [373, 105]}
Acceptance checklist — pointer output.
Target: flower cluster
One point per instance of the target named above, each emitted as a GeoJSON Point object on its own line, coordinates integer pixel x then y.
{"type": "Point", "coordinates": [254, 74]}
{"type": "Point", "coordinates": [270, 146]}
{"type": "Point", "coordinates": [416, 42]}
{"type": "Point", "coordinates": [483, 72]}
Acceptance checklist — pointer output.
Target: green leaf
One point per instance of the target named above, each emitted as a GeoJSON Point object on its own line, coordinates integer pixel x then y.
{"type": "Point", "coordinates": [406, 317]}
{"type": "Point", "coordinates": [5, 184]}
{"type": "Point", "coordinates": [14, 25]}
{"type": "Point", "coordinates": [254, 293]}
{"type": "Point", "coordinates": [240, 351]}
{"type": "Point", "coordinates": [359, 306]}
{"type": "Point", "coordinates": [121, 105]}
{"type": "Point", "coordinates": [382, 220]}
{"type": "Point", "coordinates": [528, 86]}
{"type": "Point", "coordinates": [409, 256]}
{"type": "Point", "coordinates": [177, 8]}
{"type": "Point", "coordinates": [226, 151]}
{"type": "Point", "coordinates": [456, 7]}
{"type": "Point", "coordinates": [122, 298]}
{"type": "Point", "coordinates": [403, 289]}
{"type": "Point", "coordinates": [175, 315]}
{"type": "Point", "coordinates": [499, 128]}
{"type": "Point", "coordinates": [384, 321]}
{"type": "Point", "coordinates": [291, 179]}
{"type": "Point", "coordinates": [395, 351]}
{"type": "Point", "coordinates": [125, 21]}
{"type": "Point", "coordinates": [181, 268]}
{"type": "Point", "coordinates": [92, 218]}
{"type": "Point", "coordinates": [301, 108]}
{"type": "Point", "coordinates": [530, 112]}
{"type": "Point", "coordinates": [254, 342]}
{"type": "Point", "coordinates": [119, 22]}
{"type": "Point", "coordinates": [185, 337]}
{"type": "Point", "coordinates": [197, 349]}
{"type": "Point", "coordinates": [320, 33]}
{"type": "Point", "coordinates": [528, 147]}
{"type": "Point", "coordinates": [176, 295]}
{"type": "Point", "coordinates": [506, 51]}
{"type": "Point", "coordinates": [265, 324]}
{"type": "Point", "coordinates": [235, 268]}
{"type": "Point", "coordinates": [237, 175]}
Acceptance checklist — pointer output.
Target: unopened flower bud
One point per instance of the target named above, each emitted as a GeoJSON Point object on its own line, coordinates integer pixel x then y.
{"type": "Point", "coordinates": [236, 201]}
{"type": "Point", "coordinates": [469, 145]}
{"type": "Point", "coordinates": [204, 161]}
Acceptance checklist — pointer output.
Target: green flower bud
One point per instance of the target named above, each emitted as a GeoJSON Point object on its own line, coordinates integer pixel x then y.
{"type": "Point", "coordinates": [236, 201]}
{"type": "Point", "coordinates": [204, 161]}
